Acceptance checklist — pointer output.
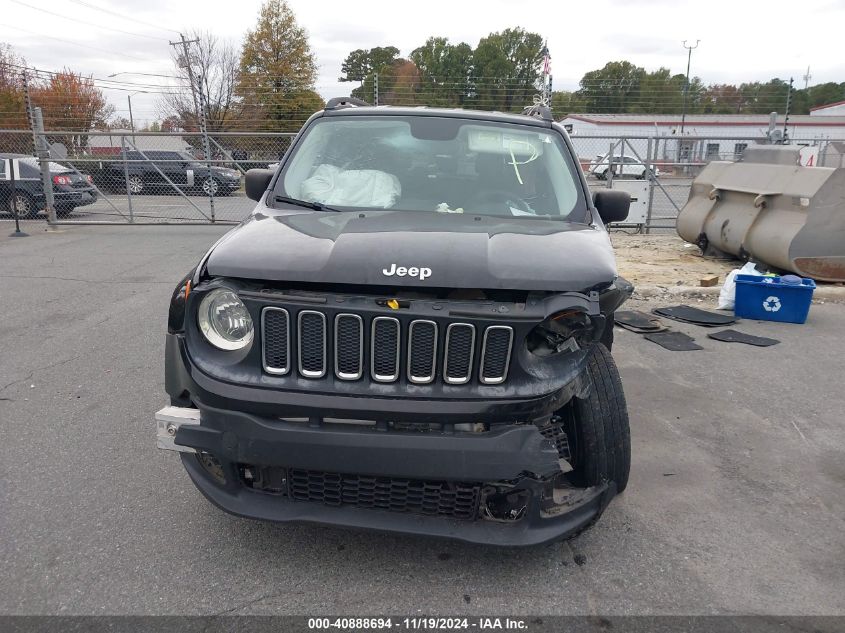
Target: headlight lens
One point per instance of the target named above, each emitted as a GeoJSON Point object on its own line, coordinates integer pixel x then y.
{"type": "Point", "coordinates": [224, 320]}
{"type": "Point", "coordinates": [566, 331]}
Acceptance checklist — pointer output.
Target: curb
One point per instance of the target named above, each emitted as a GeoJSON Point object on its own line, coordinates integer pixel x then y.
{"type": "Point", "coordinates": [832, 294]}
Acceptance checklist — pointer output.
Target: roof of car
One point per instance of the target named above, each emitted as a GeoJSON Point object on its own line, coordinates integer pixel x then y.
{"type": "Point", "coordinates": [455, 113]}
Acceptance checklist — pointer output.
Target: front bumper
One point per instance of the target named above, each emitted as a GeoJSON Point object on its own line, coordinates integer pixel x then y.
{"type": "Point", "coordinates": [517, 455]}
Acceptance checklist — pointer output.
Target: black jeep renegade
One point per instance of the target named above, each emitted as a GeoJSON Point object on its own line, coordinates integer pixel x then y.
{"type": "Point", "coordinates": [411, 332]}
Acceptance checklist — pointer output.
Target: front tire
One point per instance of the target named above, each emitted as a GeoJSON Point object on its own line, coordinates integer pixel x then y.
{"type": "Point", "coordinates": [211, 187]}
{"type": "Point", "coordinates": [135, 185]}
{"type": "Point", "coordinates": [600, 428]}
{"type": "Point", "coordinates": [27, 209]}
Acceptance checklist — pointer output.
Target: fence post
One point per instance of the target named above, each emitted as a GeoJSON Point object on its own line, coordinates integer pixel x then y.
{"type": "Point", "coordinates": [43, 151]}
{"type": "Point", "coordinates": [375, 89]}
{"type": "Point", "coordinates": [651, 178]}
{"type": "Point", "coordinates": [126, 177]}
{"type": "Point", "coordinates": [609, 171]}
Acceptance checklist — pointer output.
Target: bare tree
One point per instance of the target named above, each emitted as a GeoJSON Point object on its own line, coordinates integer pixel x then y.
{"type": "Point", "coordinates": [214, 64]}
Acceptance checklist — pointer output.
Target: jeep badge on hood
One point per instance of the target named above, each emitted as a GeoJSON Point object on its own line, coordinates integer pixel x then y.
{"type": "Point", "coordinates": [401, 271]}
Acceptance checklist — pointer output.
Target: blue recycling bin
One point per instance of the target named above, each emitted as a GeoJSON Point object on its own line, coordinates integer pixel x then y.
{"type": "Point", "coordinates": [786, 299]}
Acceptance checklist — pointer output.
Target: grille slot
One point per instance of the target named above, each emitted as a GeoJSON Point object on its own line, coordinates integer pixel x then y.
{"type": "Point", "coordinates": [460, 348]}
{"type": "Point", "coordinates": [312, 343]}
{"type": "Point", "coordinates": [440, 498]}
{"type": "Point", "coordinates": [495, 354]}
{"type": "Point", "coordinates": [422, 351]}
{"type": "Point", "coordinates": [348, 346]}
{"type": "Point", "coordinates": [275, 328]}
{"type": "Point", "coordinates": [385, 349]}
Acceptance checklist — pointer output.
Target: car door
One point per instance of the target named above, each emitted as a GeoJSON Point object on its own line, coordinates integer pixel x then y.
{"type": "Point", "coordinates": [631, 167]}
{"type": "Point", "coordinates": [174, 165]}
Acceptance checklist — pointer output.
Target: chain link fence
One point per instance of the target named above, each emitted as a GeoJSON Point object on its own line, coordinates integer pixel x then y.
{"type": "Point", "coordinates": [141, 177]}
{"type": "Point", "coordinates": [146, 177]}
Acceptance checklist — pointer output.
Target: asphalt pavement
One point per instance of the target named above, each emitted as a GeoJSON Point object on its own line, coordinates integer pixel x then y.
{"type": "Point", "coordinates": [735, 504]}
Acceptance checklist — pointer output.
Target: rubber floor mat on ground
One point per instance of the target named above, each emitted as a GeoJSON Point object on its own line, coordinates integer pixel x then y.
{"type": "Point", "coordinates": [674, 341]}
{"type": "Point", "coordinates": [732, 336]}
{"type": "Point", "coordinates": [638, 322]}
{"type": "Point", "coordinates": [688, 314]}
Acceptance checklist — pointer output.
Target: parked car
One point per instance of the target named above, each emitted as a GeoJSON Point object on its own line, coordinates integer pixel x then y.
{"type": "Point", "coordinates": [622, 167]}
{"type": "Point", "coordinates": [150, 171]}
{"type": "Point", "coordinates": [411, 332]}
{"type": "Point", "coordinates": [71, 189]}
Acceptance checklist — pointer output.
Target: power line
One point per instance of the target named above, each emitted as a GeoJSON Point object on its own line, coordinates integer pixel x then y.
{"type": "Point", "coordinates": [58, 39]}
{"type": "Point", "coordinates": [120, 15]}
{"type": "Point", "coordinates": [87, 23]}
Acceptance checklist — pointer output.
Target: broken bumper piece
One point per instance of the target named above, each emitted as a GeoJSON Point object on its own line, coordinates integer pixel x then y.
{"type": "Point", "coordinates": [496, 487]}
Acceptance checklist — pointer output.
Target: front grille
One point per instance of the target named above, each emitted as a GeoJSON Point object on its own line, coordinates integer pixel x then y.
{"type": "Point", "coordinates": [460, 346]}
{"type": "Point", "coordinates": [422, 351]}
{"type": "Point", "coordinates": [385, 349]}
{"type": "Point", "coordinates": [312, 344]}
{"type": "Point", "coordinates": [349, 345]}
{"type": "Point", "coordinates": [439, 498]}
{"type": "Point", "coordinates": [495, 354]}
{"type": "Point", "coordinates": [275, 324]}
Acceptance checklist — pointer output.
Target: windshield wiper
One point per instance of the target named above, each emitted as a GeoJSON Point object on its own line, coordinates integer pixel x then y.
{"type": "Point", "coordinates": [316, 206]}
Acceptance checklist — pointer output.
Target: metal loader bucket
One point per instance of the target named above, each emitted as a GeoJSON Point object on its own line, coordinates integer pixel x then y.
{"type": "Point", "coordinates": [782, 215]}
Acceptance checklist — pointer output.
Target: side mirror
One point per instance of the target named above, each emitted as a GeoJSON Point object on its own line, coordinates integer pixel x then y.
{"type": "Point", "coordinates": [612, 205]}
{"type": "Point", "coordinates": [256, 183]}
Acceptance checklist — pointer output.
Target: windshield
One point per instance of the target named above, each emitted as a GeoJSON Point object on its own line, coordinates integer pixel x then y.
{"type": "Point", "coordinates": [444, 165]}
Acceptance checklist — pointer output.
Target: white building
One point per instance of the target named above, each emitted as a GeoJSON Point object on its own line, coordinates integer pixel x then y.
{"type": "Point", "coordinates": [705, 137]}
{"type": "Point", "coordinates": [831, 109]}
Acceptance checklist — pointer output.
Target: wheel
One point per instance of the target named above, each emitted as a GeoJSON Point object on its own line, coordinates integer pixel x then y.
{"type": "Point", "coordinates": [135, 184]}
{"type": "Point", "coordinates": [210, 186]}
{"type": "Point", "coordinates": [599, 427]}
{"type": "Point", "coordinates": [26, 205]}
{"type": "Point", "coordinates": [601, 175]}
{"type": "Point", "coordinates": [607, 335]}
{"type": "Point", "coordinates": [63, 212]}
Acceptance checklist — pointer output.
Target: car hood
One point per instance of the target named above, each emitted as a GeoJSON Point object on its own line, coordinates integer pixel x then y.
{"type": "Point", "coordinates": [436, 250]}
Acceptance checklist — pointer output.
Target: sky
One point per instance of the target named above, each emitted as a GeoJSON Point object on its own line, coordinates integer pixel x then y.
{"type": "Point", "coordinates": [740, 40]}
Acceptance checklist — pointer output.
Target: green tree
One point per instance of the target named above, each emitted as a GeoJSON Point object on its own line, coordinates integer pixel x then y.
{"type": "Point", "coordinates": [277, 71]}
{"type": "Point", "coordinates": [12, 106]}
{"type": "Point", "coordinates": [506, 70]}
{"type": "Point", "coordinates": [444, 70]}
{"type": "Point", "coordinates": [364, 63]}
{"type": "Point", "coordinates": [614, 88]}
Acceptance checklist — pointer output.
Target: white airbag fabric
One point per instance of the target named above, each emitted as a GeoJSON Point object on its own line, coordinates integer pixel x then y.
{"type": "Point", "coordinates": [351, 188]}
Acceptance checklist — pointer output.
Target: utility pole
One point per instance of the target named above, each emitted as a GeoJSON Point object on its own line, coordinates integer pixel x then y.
{"type": "Point", "coordinates": [42, 150]}
{"type": "Point", "coordinates": [686, 85]}
{"type": "Point", "coordinates": [131, 120]}
{"type": "Point", "coordinates": [199, 106]}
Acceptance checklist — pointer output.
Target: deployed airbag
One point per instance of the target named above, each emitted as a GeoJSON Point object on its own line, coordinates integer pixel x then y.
{"type": "Point", "coordinates": [351, 188]}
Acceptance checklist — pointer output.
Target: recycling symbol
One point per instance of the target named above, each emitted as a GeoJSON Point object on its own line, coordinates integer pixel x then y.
{"type": "Point", "coordinates": [772, 304]}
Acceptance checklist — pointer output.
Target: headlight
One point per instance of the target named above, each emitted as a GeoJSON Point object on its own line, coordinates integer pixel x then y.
{"type": "Point", "coordinates": [566, 331]}
{"type": "Point", "coordinates": [224, 320]}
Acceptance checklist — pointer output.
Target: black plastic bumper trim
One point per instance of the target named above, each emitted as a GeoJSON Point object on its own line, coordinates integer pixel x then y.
{"type": "Point", "coordinates": [505, 453]}
{"type": "Point", "coordinates": [532, 529]}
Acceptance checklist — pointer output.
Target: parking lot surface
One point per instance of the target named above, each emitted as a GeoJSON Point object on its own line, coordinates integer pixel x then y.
{"type": "Point", "coordinates": [735, 503]}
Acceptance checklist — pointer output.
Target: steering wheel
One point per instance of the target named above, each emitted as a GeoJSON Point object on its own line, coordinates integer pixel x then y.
{"type": "Point", "coordinates": [496, 202]}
